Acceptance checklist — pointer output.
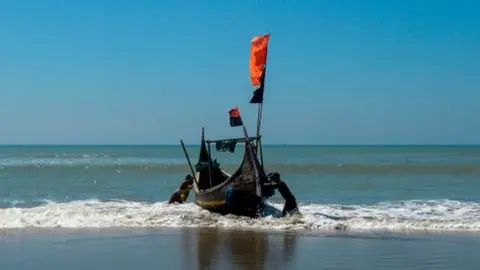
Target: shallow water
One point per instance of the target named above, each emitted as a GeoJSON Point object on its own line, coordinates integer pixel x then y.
{"type": "Point", "coordinates": [380, 188]}
{"type": "Point", "coordinates": [397, 208]}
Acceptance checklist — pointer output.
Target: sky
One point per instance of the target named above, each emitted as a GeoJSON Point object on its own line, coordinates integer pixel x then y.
{"type": "Point", "coordinates": [154, 72]}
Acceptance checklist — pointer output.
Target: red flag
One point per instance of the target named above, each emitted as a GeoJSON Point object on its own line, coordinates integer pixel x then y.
{"type": "Point", "coordinates": [235, 118]}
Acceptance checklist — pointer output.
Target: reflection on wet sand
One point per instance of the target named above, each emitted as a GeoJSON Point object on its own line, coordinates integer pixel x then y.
{"type": "Point", "coordinates": [243, 249]}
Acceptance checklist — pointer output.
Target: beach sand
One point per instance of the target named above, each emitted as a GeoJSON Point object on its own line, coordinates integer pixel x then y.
{"type": "Point", "coordinates": [212, 248]}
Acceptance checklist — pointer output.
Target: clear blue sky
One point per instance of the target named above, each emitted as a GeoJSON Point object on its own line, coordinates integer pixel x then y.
{"type": "Point", "coordinates": [340, 72]}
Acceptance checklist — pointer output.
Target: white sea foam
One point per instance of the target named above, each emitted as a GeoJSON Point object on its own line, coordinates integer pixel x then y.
{"type": "Point", "coordinates": [435, 215]}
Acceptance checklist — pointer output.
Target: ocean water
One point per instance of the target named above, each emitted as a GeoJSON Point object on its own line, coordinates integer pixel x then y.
{"type": "Point", "coordinates": [363, 207]}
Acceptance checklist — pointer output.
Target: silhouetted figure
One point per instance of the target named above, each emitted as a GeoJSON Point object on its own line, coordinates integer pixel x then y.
{"type": "Point", "coordinates": [181, 194]}
{"type": "Point", "coordinates": [290, 206]}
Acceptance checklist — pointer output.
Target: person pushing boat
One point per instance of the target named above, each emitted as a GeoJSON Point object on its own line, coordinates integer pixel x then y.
{"type": "Point", "coordinates": [181, 194]}
{"type": "Point", "coordinates": [291, 206]}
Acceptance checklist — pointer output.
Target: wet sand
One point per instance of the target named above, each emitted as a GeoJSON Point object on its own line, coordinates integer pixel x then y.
{"type": "Point", "coordinates": [198, 248]}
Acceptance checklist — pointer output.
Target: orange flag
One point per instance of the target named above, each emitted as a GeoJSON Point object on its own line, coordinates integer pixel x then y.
{"type": "Point", "coordinates": [258, 58]}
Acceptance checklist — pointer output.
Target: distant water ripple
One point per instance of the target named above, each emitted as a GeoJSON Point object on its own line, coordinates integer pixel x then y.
{"type": "Point", "coordinates": [173, 164]}
{"type": "Point", "coordinates": [163, 166]}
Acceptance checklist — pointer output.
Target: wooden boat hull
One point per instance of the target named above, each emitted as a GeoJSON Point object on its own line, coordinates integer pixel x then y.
{"type": "Point", "coordinates": [240, 202]}
{"type": "Point", "coordinates": [241, 193]}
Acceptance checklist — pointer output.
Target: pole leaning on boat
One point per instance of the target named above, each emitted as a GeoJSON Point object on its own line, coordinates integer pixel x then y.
{"type": "Point", "coordinates": [189, 163]}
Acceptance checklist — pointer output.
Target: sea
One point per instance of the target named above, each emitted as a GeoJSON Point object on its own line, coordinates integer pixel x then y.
{"type": "Point", "coordinates": [362, 207]}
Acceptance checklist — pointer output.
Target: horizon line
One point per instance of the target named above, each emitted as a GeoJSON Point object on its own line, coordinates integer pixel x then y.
{"type": "Point", "coordinates": [270, 144]}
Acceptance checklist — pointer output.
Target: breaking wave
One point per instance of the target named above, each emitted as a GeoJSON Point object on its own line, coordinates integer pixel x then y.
{"type": "Point", "coordinates": [427, 215]}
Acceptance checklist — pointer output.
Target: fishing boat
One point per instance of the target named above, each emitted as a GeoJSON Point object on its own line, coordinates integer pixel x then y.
{"type": "Point", "coordinates": [244, 191]}
{"type": "Point", "coordinates": [241, 193]}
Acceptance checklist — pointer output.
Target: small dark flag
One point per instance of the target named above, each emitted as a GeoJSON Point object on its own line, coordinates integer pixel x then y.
{"type": "Point", "coordinates": [235, 119]}
{"type": "Point", "coordinates": [257, 96]}
{"type": "Point", "coordinates": [258, 93]}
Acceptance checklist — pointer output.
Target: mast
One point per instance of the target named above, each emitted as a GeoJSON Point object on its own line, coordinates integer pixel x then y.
{"type": "Point", "coordinates": [209, 159]}
{"type": "Point", "coordinates": [259, 122]}
{"type": "Point", "coordinates": [258, 69]}
{"type": "Point", "coordinates": [260, 110]}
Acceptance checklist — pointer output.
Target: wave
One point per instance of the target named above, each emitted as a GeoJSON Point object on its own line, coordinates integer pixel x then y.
{"type": "Point", "coordinates": [426, 215]}
{"type": "Point", "coordinates": [178, 166]}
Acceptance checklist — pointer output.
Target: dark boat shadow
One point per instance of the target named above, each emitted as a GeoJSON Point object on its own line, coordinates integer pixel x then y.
{"type": "Point", "coordinates": [242, 249]}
